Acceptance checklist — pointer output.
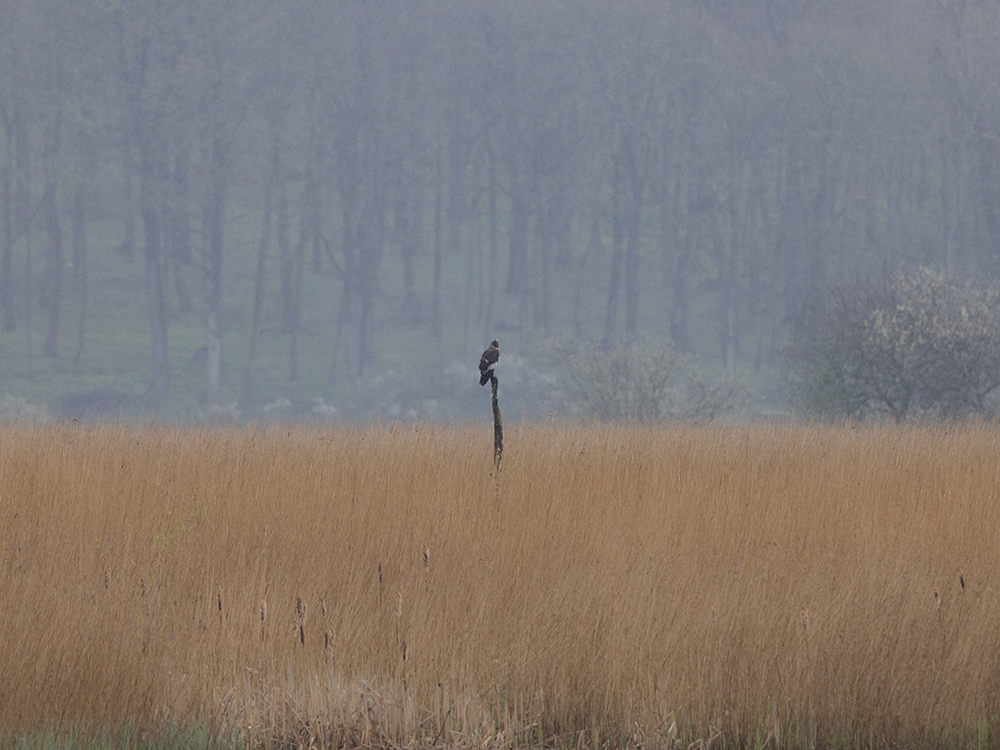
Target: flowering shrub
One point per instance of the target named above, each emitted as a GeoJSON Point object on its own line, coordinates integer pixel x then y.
{"type": "Point", "coordinates": [912, 344]}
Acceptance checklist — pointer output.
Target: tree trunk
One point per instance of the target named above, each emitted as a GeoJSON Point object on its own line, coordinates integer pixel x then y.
{"type": "Point", "coordinates": [546, 252]}
{"type": "Point", "coordinates": [22, 219]}
{"type": "Point", "coordinates": [127, 247]}
{"type": "Point", "coordinates": [347, 322]}
{"type": "Point", "coordinates": [676, 257]}
{"type": "Point", "coordinates": [409, 232]}
{"type": "Point", "coordinates": [520, 210]}
{"type": "Point", "coordinates": [214, 218]}
{"type": "Point", "coordinates": [614, 282]}
{"type": "Point", "coordinates": [53, 234]}
{"type": "Point", "coordinates": [177, 227]}
{"type": "Point", "coordinates": [7, 302]}
{"type": "Point", "coordinates": [366, 322]}
{"type": "Point", "coordinates": [632, 272]}
{"type": "Point", "coordinates": [370, 238]}
{"type": "Point", "coordinates": [250, 377]}
{"type": "Point", "coordinates": [80, 261]}
{"type": "Point", "coordinates": [494, 245]}
{"type": "Point", "coordinates": [296, 307]}
{"type": "Point", "coordinates": [438, 252]}
{"type": "Point", "coordinates": [680, 305]}
{"type": "Point", "coordinates": [286, 260]}
{"type": "Point", "coordinates": [156, 298]}
{"type": "Point", "coordinates": [727, 251]}
{"type": "Point", "coordinates": [633, 212]}
{"type": "Point", "coordinates": [177, 221]}
{"type": "Point", "coordinates": [56, 258]}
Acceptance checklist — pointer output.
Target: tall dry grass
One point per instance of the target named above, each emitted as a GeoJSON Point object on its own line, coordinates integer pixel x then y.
{"type": "Point", "coordinates": [782, 586]}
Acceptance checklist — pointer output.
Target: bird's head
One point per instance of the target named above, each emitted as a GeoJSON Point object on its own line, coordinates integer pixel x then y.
{"type": "Point", "coordinates": [495, 343]}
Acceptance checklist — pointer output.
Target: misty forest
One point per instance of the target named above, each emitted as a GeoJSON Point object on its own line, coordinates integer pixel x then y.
{"type": "Point", "coordinates": [307, 209]}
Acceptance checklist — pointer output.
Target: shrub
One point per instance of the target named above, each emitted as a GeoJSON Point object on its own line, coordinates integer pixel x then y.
{"type": "Point", "coordinates": [644, 382]}
{"type": "Point", "coordinates": [905, 345]}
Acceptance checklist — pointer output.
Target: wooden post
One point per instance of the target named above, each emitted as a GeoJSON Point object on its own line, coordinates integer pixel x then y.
{"type": "Point", "coordinates": [497, 424]}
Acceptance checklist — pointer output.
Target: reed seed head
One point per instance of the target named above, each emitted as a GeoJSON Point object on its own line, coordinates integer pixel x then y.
{"type": "Point", "coordinates": [300, 619]}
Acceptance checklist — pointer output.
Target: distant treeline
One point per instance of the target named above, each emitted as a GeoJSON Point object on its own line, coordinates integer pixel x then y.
{"type": "Point", "coordinates": [697, 168]}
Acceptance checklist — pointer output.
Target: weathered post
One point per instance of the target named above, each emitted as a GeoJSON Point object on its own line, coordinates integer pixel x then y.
{"type": "Point", "coordinates": [497, 425]}
{"type": "Point", "coordinates": [488, 371]}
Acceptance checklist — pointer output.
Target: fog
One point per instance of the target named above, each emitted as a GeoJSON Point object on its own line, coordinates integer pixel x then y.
{"type": "Point", "coordinates": [295, 209]}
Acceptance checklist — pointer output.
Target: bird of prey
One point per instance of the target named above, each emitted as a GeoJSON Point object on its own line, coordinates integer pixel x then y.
{"type": "Point", "coordinates": [488, 362]}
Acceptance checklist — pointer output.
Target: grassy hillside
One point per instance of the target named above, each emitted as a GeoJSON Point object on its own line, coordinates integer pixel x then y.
{"type": "Point", "coordinates": [626, 587]}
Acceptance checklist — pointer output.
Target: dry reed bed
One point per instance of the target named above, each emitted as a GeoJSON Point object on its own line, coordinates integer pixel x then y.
{"type": "Point", "coordinates": [784, 585]}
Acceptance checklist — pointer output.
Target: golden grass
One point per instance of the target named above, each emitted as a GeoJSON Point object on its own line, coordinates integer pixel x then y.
{"type": "Point", "coordinates": [781, 586]}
